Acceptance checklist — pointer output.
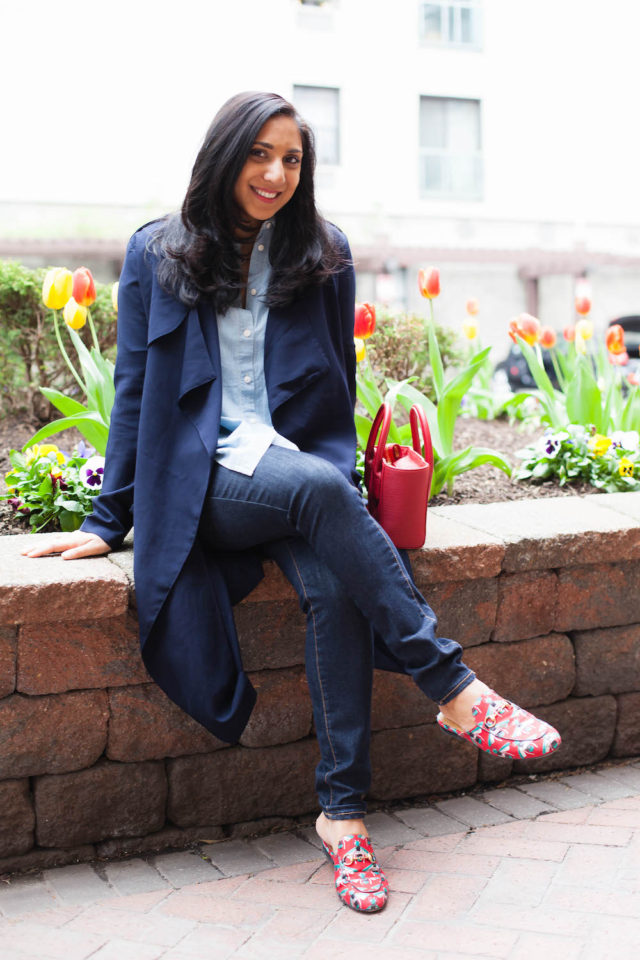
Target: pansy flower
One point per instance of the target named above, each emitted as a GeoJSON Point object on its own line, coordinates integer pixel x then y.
{"type": "Point", "coordinates": [91, 472]}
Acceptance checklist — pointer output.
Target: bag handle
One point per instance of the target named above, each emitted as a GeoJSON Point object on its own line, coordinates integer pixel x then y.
{"type": "Point", "coordinates": [382, 422]}
{"type": "Point", "coordinates": [418, 416]}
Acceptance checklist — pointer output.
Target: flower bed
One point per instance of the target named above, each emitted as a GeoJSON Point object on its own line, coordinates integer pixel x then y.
{"type": "Point", "coordinates": [95, 761]}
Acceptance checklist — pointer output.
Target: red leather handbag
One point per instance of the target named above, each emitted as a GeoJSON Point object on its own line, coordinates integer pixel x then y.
{"type": "Point", "coordinates": [398, 479]}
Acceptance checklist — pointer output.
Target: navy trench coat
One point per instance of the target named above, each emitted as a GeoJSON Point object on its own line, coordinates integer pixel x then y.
{"type": "Point", "coordinates": [162, 439]}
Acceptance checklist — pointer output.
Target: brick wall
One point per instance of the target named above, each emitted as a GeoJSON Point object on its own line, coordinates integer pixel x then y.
{"type": "Point", "coordinates": [96, 761]}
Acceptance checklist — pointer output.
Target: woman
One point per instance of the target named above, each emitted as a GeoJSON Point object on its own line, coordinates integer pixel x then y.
{"type": "Point", "coordinates": [232, 439]}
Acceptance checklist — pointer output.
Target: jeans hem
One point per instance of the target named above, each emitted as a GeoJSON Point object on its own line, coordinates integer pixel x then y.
{"type": "Point", "coordinates": [344, 814]}
{"type": "Point", "coordinates": [459, 687]}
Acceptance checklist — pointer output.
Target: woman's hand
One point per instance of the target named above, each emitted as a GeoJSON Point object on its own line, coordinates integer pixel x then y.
{"type": "Point", "coordinates": [70, 546]}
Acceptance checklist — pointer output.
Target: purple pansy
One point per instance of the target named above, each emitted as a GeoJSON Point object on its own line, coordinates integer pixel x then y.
{"type": "Point", "coordinates": [91, 472]}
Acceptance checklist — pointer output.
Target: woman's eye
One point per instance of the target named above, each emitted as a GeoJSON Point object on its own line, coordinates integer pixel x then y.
{"type": "Point", "coordinates": [256, 152]}
{"type": "Point", "coordinates": [294, 161]}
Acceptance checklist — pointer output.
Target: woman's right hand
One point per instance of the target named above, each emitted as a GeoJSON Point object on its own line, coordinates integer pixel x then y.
{"type": "Point", "coordinates": [70, 546]}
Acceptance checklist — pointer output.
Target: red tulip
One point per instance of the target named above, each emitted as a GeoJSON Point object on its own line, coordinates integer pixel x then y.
{"type": "Point", "coordinates": [84, 288]}
{"type": "Point", "coordinates": [429, 282]}
{"type": "Point", "coordinates": [614, 339]}
{"type": "Point", "coordinates": [569, 333]}
{"type": "Point", "coordinates": [365, 321]}
{"type": "Point", "coordinates": [548, 338]}
{"type": "Point", "coordinates": [525, 326]}
{"type": "Point", "coordinates": [473, 307]}
{"type": "Point", "coordinates": [619, 359]}
{"type": "Point", "coordinates": [583, 298]}
{"type": "Point", "coordinates": [633, 379]}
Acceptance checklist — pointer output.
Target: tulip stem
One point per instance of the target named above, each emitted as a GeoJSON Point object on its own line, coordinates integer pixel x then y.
{"type": "Point", "coordinates": [93, 331]}
{"type": "Point", "coordinates": [65, 354]}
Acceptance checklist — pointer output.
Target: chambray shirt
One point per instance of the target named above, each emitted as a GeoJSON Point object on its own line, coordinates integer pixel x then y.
{"type": "Point", "coordinates": [246, 431]}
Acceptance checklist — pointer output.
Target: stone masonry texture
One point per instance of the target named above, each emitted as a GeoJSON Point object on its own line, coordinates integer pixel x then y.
{"type": "Point", "coordinates": [530, 672]}
{"type": "Point", "coordinates": [146, 725]}
{"type": "Point", "coordinates": [108, 800]}
{"type": "Point", "coordinates": [466, 609]}
{"type": "Point", "coordinates": [607, 661]}
{"type": "Point", "coordinates": [627, 738]}
{"type": "Point", "coordinates": [8, 648]}
{"type": "Point", "coordinates": [526, 605]}
{"type": "Point", "coordinates": [97, 653]}
{"type": "Point", "coordinates": [271, 633]}
{"type": "Point", "coordinates": [282, 712]}
{"type": "Point", "coordinates": [419, 760]}
{"type": "Point", "coordinates": [17, 818]}
{"type": "Point", "coordinates": [398, 702]}
{"type": "Point", "coordinates": [51, 734]}
{"type": "Point", "coordinates": [601, 595]}
{"type": "Point", "coordinates": [242, 784]}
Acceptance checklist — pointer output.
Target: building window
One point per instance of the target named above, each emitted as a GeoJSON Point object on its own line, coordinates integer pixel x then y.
{"type": "Point", "coordinates": [450, 148]}
{"type": "Point", "coordinates": [320, 107]}
{"type": "Point", "coordinates": [455, 23]}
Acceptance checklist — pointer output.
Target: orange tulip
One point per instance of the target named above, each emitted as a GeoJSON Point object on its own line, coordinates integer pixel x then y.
{"type": "Point", "coordinates": [365, 321]}
{"type": "Point", "coordinates": [429, 282]}
{"type": "Point", "coordinates": [84, 288]}
{"type": "Point", "coordinates": [548, 338]}
{"type": "Point", "coordinates": [473, 307]}
{"type": "Point", "coordinates": [569, 333]}
{"type": "Point", "coordinates": [614, 339]}
{"type": "Point", "coordinates": [525, 326]}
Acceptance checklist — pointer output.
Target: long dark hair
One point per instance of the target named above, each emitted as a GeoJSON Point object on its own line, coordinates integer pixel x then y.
{"type": "Point", "coordinates": [197, 249]}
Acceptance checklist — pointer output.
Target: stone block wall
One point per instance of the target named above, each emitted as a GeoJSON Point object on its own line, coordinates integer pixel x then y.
{"type": "Point", "coordinates": [95, 761]}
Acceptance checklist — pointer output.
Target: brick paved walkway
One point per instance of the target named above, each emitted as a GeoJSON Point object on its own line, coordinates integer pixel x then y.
{"type": "Point", "coordinates": [545, 869]}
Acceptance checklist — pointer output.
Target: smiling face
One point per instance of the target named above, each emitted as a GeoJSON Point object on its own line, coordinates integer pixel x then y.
{"type": "Point", "coordinates": [271, 172]}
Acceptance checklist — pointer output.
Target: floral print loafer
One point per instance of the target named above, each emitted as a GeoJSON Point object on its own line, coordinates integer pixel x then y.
{"type": "Point", "coordinates": [360, 882]}
{"type": "Point", "coordinates": [506, 730]}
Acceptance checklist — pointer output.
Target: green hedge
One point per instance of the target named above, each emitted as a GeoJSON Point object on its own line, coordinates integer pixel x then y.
{"type": "Point", "coordinates": [29, 354]}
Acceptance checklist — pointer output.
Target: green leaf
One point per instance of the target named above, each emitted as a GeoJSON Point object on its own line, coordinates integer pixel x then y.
{"type": "Point", "coordinates": [584, 401]}
{"type": "Point", "coordinates": [435, 359]}
{"type": "Point", "coordinates": [66, 405]}
{"type": "Point", "coordinates": [90, 425]}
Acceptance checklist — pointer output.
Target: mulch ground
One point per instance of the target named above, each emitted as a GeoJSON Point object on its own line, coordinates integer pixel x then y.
{"type": "Point", "coordinates": [483, 485]}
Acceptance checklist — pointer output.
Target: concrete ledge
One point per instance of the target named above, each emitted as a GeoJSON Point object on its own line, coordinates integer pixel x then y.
{"type": "Point", "coordinates": [95, 760]}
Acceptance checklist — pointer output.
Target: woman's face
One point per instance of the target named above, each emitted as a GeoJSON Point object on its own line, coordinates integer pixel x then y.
{"type": "Point", "coordinates": [271, 172]}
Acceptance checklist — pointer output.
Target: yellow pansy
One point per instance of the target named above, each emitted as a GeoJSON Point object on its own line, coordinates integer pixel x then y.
{"type": "Point", "coordinates": [625, 467]}
{"type": "Point", "coordinates": [599, 444]}
{"type": "Point", "coordinates": [39, 450]}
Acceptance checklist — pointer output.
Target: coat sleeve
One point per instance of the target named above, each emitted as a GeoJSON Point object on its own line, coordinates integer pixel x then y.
{"type": "Point", "coordinates": [346, 306]}
{"type": "Point", "coordinates": [113, 507]}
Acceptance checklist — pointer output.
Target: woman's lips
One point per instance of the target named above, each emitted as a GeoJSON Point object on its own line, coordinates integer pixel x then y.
{"type": "Point", "coordinates": [267, 196]}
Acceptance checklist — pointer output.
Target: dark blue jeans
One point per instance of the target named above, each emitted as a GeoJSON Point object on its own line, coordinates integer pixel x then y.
{"type": "Point", "coordinates": [349, 578]}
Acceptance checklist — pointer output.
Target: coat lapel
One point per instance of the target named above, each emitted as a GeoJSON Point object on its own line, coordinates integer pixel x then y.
{"type": "Point", "coordinates": [293, 357]}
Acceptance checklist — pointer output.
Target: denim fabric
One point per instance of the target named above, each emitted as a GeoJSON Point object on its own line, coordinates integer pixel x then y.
{"type": "Point", "coordinates": [349, 578]}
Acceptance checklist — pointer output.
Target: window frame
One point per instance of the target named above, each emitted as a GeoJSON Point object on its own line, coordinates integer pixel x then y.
{"type": "Point", "coordinates": [446, 40]}
{"type": "Point", "coordinates": [332, 164]}
{"type": "Point", "coordinates": [447, 153]}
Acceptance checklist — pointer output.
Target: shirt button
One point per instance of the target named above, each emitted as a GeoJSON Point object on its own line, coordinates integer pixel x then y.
{"type": "Point", "coordinates": [247, 379]}
{"type": "Point", "coordinates": [253, 292]}
{"type": "Point", "coordinates": [253, 419]}
{"type": "Point", "coordinates": [246, 333]}
{"type": "Point", "coordinates": [261, 246]}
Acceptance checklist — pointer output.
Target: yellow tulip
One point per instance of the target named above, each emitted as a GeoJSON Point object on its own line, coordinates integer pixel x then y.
{"type": "Point", "coordinates": [74, 315]}
{"type": "Point", "coordinates": [57, 287]}
{"type": "Point", "coordinates": [470, 329]}
{"type": "Point", "coordinates": [360, 348]}
{"type": "Point", "coordinates": [114, 295]}
{"type": "Point", "coordinates": [584, 329]}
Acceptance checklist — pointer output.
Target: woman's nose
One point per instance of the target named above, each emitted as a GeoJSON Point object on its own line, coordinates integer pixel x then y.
{"type": "Point", "coordinates": [275, 172]}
